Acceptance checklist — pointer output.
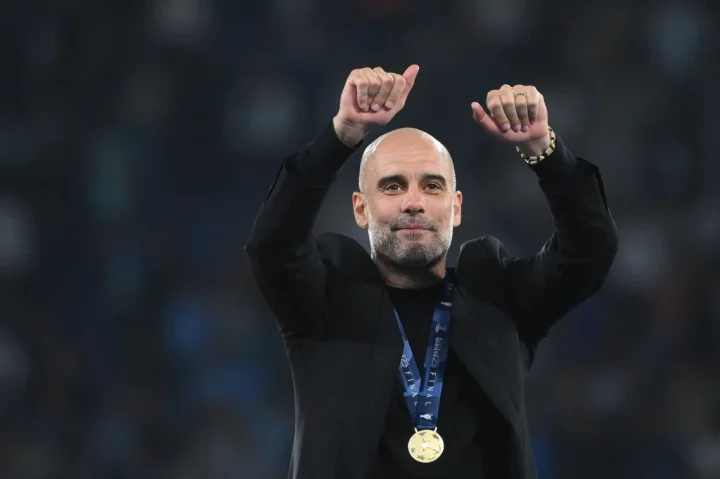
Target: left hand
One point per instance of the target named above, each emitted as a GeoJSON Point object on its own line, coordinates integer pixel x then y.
{"type": "Point", "coordinates": [518, 115]}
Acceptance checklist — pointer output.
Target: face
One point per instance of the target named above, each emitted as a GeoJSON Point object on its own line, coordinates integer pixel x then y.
{"type": "Point", "coordinates": [408, 204]}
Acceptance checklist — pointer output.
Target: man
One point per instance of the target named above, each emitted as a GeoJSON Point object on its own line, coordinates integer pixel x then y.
{"type": "Point", "coordinates": [402, 366]}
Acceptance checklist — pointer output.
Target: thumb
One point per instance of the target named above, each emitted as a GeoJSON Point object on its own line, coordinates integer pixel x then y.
{"type": "Point", "coordinates": [483, 119]}
{"type": "Point", "coordinates": [410, 75]}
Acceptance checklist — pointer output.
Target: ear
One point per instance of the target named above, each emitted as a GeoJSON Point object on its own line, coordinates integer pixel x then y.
{"type": "Point", "coordinates": [457, 217]}
{"type": "Point", "coordinates": [360, 210]}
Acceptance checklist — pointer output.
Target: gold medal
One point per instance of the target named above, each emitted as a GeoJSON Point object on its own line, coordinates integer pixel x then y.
{"type": "Point", "coordinates": [426, 446]}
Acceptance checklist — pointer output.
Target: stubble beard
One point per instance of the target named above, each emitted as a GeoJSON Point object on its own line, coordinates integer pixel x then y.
{"type": "Point", "coordinates": [386, 246]}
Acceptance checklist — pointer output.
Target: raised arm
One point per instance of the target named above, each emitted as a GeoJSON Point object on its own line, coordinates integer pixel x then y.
{"type": "Point", "coordinates": [285, 262]}
{"type": "Point", "coordinates": [283, 255]}
{"type": "Point", "coordinates": [574, 262]}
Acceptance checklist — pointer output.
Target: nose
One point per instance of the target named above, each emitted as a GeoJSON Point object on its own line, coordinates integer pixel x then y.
{"type": "Point", "coordinates": [413, 202]}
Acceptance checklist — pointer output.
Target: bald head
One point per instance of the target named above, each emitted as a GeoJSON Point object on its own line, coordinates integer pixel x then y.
{"type": "Point", "coordinates": [408, 200]}
{"type": "Point", "coordinates": [403, 143]}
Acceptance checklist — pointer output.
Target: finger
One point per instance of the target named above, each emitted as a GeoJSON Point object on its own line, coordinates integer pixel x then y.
{"type": "Point", "coordinates": [483, 119]}
{"type": "Point", "coordinates": [374, 83]}
{"type": "Point", "coordinates": [508, 103]}
{"type": "Point", "coordinates": [386, 84]}
{"type": "Point", "coordinates": [541, 108]}
{"type": "Point", "coordinates": [361, 84]}
{"type": "Point", "coordinates": [533, 100]}
{"type": "Point", "coordinates": [495, 107]}
{"type": "Point", "coordinates": [399, 85]}
{"type": "Point", "coordinates": [409, 75]}
{"type": "Point", "coordinates": [521, 106]}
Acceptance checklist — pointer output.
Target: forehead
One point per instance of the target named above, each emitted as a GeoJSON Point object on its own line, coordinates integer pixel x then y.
{"type": "Point", "coordinates": [411, 160]}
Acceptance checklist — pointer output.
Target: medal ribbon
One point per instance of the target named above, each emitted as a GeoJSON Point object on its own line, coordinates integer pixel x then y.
{"type": "Point", "coordinates": [423, 394]}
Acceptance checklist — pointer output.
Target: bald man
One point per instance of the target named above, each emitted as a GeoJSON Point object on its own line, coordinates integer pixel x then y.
{"type": "Point", "coordinates": [403, 366]}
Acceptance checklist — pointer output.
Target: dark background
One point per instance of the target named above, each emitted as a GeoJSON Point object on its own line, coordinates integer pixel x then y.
{"type": "Point", "coordinates": [138, 139]}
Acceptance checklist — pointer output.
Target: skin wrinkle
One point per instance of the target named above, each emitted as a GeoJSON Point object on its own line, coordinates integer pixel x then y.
{"type": "Point", "coordinates": [370, 150]}
{"type": "Point", "coordinates": [407, 179]}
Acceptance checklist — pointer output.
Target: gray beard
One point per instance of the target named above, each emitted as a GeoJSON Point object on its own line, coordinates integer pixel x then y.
{"type": "Point", "coordinates": [390, 251]}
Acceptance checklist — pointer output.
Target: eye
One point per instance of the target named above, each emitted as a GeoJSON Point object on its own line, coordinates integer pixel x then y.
{"type": "Point", "coordinates": [392, 187]}
{"type": "Point", "coordinates": [434, 186]}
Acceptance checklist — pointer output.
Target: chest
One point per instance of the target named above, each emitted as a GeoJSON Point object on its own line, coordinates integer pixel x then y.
{"type": "Point", "coordinates": [483, 337]}
{"type": "Point", "coordinates": [366, 313]}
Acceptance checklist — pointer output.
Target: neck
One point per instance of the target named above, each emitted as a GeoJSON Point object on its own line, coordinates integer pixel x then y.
{"type": "Point", "coordinates": [411, 278]}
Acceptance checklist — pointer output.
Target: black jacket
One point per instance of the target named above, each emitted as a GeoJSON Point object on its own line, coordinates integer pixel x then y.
{"type": "Point", "coordinates": [339, 328]}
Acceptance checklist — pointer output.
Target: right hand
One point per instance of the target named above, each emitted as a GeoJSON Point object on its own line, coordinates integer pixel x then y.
{"type": "Point", "coordinates": [371, 97]}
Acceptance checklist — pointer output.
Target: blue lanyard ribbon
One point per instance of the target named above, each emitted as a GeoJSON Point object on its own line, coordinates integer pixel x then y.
{"type": "Point", "coordinates": [423, 398]}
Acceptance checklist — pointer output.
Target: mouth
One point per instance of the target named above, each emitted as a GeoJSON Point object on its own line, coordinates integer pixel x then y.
{"type": "Point", "coordinates": [413, 228]}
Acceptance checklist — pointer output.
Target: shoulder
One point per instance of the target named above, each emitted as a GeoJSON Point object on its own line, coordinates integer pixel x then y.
{"type": "Point", "coordinates": [345, 257]}
{"type": "Point", "coordinates": [481, 267]}
{"type": "Point", "coordinates": [484, 271]}
{"type": "Point", "coordinates": [485, 249]}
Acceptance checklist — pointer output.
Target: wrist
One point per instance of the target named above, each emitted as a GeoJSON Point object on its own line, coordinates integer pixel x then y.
{"type": "Point", "coordinates": [349, 134]}
{"type": "Point", "coordinates": [535, 147]}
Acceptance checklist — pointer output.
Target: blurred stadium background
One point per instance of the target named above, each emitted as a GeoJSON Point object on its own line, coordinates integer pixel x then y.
{"type": "Point", "coordinates": [138, 139]}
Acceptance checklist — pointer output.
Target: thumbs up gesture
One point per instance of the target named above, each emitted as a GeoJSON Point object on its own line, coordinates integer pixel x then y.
{"type": "Point", "coordinates": [518, 115]}
{"type": "Point", "coordinates": [371, 97]}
